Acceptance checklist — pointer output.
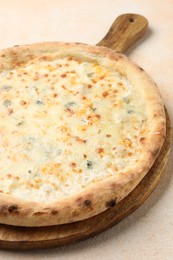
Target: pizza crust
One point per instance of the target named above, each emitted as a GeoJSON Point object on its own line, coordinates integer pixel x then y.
{"type": "Point", "coordinates": [105, 193]}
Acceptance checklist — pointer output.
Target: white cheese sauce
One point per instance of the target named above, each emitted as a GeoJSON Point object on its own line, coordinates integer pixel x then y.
{"type": "Point", "coordinates": [65, 124]}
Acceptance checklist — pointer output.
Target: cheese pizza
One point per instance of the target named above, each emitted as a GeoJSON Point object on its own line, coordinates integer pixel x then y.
{"type": "Point", "coordinates": [80, 126]}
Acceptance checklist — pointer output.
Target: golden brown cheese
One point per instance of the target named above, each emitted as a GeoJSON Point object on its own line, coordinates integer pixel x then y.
{"type": "Point", "coordinates": [66, 123]}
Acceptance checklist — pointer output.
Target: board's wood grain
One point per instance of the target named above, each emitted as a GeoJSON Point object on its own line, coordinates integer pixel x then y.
{"type": "Point", "coordinates": [45, 237]}
{"type": "Point", "coordinates": [124, 32]}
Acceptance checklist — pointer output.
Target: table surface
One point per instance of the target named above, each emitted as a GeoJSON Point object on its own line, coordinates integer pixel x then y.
{"type": "Point", "coordinates": [148, 232]}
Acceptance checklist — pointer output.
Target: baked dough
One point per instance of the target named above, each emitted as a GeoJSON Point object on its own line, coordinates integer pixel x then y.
{"type": "Point", "coordinates": [80, 127]}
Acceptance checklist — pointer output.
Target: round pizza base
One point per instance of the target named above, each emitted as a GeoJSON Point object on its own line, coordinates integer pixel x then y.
{"type": "Point", "coordinates": [12, 237]}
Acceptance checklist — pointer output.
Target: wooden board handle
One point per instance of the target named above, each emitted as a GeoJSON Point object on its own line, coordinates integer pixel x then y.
{"type": "Point", "coordinates": [124, 32]}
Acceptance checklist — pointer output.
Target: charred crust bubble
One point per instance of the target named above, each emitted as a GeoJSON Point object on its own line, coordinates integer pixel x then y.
{"type": "Point", "coordinates": [39, 213]}
{"type": "Point", "coordinates": [79, 43]}
{"type": "Point", "coordinates": [141, 69]}
{"type": "Point", "coordinates": [87, 203]}
{"type": "Point", "coordinates": [54, 212]}
{"type": "Point", "coordinates": [110, 203]}
{"type": "Point", "coordinates": [13, 209]}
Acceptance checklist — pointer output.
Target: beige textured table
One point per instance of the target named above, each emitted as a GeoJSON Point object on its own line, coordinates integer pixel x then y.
{"type": "Point", "coordinates": [148, 232]}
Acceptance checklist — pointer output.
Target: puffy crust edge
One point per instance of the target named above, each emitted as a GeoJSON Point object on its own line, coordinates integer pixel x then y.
{"type": "Point", "coordinates": [106, 193]}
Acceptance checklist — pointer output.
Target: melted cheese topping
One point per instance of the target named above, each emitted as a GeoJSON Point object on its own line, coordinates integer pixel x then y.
{"type": "Point", "coordinates": [65, 124]}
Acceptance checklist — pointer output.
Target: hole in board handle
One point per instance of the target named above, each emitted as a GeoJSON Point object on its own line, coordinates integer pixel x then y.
{"type": "Point", "coordinates": [131, 20]}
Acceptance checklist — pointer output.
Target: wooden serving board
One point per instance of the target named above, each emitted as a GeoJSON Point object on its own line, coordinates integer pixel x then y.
{"type": "Point", "coordinates": [123, 33]}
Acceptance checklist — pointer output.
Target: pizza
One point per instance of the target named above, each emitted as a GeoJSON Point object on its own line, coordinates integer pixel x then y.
{"type": "Point", "coordinates": [80, 126]}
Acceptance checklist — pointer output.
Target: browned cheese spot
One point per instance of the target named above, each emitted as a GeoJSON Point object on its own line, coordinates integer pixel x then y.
{"type": "Point", "coordinates": [10, 111]}
{"type": "Point", "coordinates": [55, 95]}
{"type": "Point", "coordinates": [73, 164]}
{"type": "Point", "coordinates": [105, 94]}
{"type": "Point", "coordinates": [63, 75]}
{"type": "Point", "coordinates": [22, 102]}
{"type": "Point", "coordinates": [100, 150]}
{"type": "Point", "coordinates": [142, 140]}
